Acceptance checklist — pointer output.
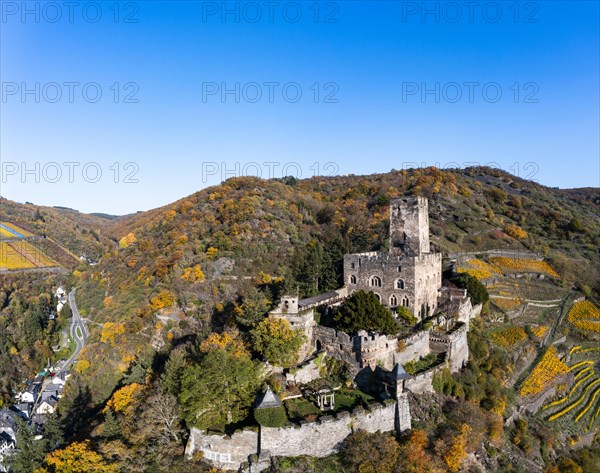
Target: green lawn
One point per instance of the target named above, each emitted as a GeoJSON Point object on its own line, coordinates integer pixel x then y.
{"type": "Point", "coordinates": [300, 407]}
{"type": "Point", "coordinates": [345, 400]}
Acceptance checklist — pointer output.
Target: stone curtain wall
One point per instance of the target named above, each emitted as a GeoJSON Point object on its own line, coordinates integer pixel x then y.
{"type": "Point", "coordinates": [224, 451]}
{"type": "Point", "coordinates": [376, 349]}
{"type": "Point", "coordinates": [422, 382]}
{"type": "Point", "coordinates": [417, 345]}
{"type": "Point", "coordinates": [318, 439]}
{"type": "Point", "coordinates": [459, 349]}
{"type": "Point", "coordinates": [326, 436]}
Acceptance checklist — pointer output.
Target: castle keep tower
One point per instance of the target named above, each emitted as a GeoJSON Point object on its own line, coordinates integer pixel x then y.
{"type": "Point", "coordinates": [409, 226]}
{"type": "Point", "coordinates": [410, 275]}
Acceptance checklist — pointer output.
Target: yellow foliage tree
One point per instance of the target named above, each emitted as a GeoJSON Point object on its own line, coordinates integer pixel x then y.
{"type": "Point", "coordinates": [82, 366]}
{"type": "Point", "coordinates": [122, 398]}
{"type": "Point", "coordinates": [457, 453]}
{"type": "Point", "coordinates": [164, 299]}
{"type": "Point", "coordinates": [212, 252]}
{"type": "Point", "coordinates": [77, 458]}
{"type": "Point", "coordinates": [229, 341]}
{"type": "Point", "coordinates": [127, 240]}
{"type": "Point", "coordinates": [109, 331]}
{"type": "Point", "coordinates": [193, 274]}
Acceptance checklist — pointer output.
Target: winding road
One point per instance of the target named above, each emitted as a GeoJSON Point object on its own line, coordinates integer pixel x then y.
{"type": "Point", "coordinates": [78, 331]}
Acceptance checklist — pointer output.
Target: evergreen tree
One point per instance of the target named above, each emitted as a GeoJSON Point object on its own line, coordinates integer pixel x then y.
{"type": "Point", "coordinates": [363, 311]}
{"type": "Point", "coordinates": [112, 427]}
{"type": "Point", "coordinates": [52, 433]}
{"type": "Point", "coordinates": [175, 366]}
{"type": "Point", "coordinates": [474, 287]}
{"type": "Point", "coordinates": [219, 390]}
{"type": "Point", "coordinates": [29, 454]}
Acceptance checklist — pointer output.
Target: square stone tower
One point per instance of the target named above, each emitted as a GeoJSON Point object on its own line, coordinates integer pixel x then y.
{"type": "Point", "coordinates": [409, 226]}
{"type": "Point", "coordinates": [410, 275]}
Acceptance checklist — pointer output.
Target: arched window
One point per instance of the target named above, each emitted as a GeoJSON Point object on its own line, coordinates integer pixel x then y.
{"type": "Point", "coordinates": [405, 301]}
{"type": "Point", "coordinates": [393, 301]}
{"type": "Point", "coordinates": [378, 296]}
{"type": "Point", "coordinates": [399, 284]}
{"type": "Point", "coordinates": [353, 279]}
{"type": "Point", "coordinates": [375, 281]}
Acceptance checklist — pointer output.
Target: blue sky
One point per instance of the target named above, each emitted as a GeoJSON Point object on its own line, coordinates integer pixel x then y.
{"type": "Point", "coordinates": [384, 85]}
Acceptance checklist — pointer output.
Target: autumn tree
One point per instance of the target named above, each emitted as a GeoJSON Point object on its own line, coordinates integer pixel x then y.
{"type": "Point", "coordinates": [163, 299]}
{"type": "Point", "coordinates": [122, 398]}
{"type": "Point", "coordinates": [457, 453]}
{"type": "Point", "coordinates": [255, 304]}
{"type": "Point", "coordinates": [127, 240]}
{"type": "Point", "coordinates": [219, 390]}
{"type": "Point", "coordinates": [363, 311]}
{"type": "Point", "coordinates": [365, 452]}
{"type": "Point", "coordinates": [78, 457]}
{"type": "Point", "coordinates": [414, 457]}
{"type": "Point", "coordinates": [229, 341]}
{"type": "Point", "coordinates": [277, 341]}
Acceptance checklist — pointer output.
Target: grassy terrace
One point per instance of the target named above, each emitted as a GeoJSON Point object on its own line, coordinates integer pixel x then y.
{"type": "Point", "coordinates": [424, 363]}
{"type": "Point", "coordinates": [345, 400]}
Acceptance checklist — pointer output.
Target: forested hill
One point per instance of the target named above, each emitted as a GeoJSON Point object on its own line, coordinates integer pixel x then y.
{"type": "Point", "coordinates": [178, 294]}
{"type": "Point", "coordinates": [202, 257]}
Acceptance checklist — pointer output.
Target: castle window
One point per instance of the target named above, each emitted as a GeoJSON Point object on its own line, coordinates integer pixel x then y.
{"type": "Point", "coordinates": [378, 297]}
{"type": "Point", "coordinates": [405, 301]}
{"type": "Point", "coordinates": [375, 281]}
{"type": "Point", "coordinates": [353, 279]}
{"type": "Point", "coordinates": [399, 284]}
{"type": "Point", "coordinates": [399, 269]}
{"type": "Point", "coordinates": [352, 265]}
{"type": "Point", "coordinates": [393, 301]}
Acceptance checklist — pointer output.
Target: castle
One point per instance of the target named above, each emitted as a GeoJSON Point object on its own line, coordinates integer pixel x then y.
{"type": "Point", "coordinates": [409, 275]}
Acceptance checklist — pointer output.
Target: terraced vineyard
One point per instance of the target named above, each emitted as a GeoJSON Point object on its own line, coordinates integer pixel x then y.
{"type": "Point", "coordinates": [9, 230]}
{"type": "Point", "coordinates": [22, 255]}
{"type": "Point", "coordinates": [585, 316]}
{"type": "Point", "coordinates": [500, 265]}
{"type": "Point", "coordinates": [544, 374]}
{"type": "Point", "coordinates": [582, 401]}
{"type": "Point", "coordinates": [523, 265]}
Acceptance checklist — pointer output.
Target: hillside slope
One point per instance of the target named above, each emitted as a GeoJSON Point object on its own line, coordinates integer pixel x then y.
{"type": "Point", "coordinates": [198, 254]}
